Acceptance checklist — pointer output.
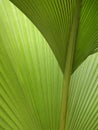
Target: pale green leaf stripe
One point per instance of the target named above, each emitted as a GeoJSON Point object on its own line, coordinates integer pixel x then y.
{"type": "Point", "coordinates": [30, 77]}
{"type": "Point", "coordinates": [54, 19]}
{"type": "Point", "coordinates": [82, 109]}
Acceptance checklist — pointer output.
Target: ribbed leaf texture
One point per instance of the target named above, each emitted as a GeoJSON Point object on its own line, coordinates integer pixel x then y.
{"type": "Point", "coordinates": [82, 108]}
{"type": "Point", "coordinates": [54, 18]}
{"type": "Point", "coordinates": [30, 76]}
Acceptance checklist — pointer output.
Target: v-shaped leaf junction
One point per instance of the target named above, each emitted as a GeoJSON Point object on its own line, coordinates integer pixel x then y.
{"type": "Point", "coordinates": [32, 77]}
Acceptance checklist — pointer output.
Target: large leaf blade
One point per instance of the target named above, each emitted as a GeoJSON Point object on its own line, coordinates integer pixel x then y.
{"type": "Point", "coordinates": [30, 93]}
{"type": "Point", "coordinates": [54, 20]}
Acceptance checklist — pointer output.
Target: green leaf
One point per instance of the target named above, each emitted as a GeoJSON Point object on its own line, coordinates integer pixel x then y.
{"type": "Point", "coordinates": [82, 111]}
{"type": "Point", "coordinates": [54, 18]}
{"type": "Point", "coordinates": [30, 77]}
{"type": "Point", "coordinates": [71, 29]}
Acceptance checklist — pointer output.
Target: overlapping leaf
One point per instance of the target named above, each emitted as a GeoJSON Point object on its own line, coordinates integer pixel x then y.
{"type": "Point", "coordinates": [54, 19]}
{"type": "Point", "coordinates": [30, 78]}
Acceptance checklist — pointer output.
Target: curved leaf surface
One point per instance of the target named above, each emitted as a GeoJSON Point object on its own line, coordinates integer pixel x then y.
{"type": "Point", "coordinates": [82, 110]}
{"type": "Point", "coordinates": [30, 93]}
{"type": "Point", "coordinates": [54, 18]}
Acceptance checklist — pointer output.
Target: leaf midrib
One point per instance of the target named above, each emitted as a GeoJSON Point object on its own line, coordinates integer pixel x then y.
{"type": "Point", "coordinates": [68, 64]}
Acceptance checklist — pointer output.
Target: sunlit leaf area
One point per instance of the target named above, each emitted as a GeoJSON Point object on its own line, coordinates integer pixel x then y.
{"type": "Point", "coordinates": [48, 65]}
